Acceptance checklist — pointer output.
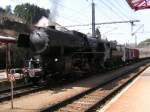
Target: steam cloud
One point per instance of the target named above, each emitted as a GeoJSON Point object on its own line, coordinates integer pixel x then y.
{"type": "Point", "coordinates": [54, 11]}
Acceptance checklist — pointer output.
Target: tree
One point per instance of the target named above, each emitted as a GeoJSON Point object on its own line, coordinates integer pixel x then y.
{"type": "Point", "coordinates": [31, 13]}
{"type": "Point", "coordinates": [1, 10]}
{"type": "Point", "coordinates": [8, 9]}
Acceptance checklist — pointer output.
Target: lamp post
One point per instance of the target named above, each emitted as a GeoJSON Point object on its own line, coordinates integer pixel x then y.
{"type": "Point", "coordinates": [93, 19]}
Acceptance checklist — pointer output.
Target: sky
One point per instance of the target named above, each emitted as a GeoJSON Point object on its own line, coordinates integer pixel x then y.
{"type": "Point", "coordinates": [72, 12]}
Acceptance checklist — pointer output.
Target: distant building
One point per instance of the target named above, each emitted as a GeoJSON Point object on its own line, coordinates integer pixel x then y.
{"type": "Point", "coordinates": [10, 17]}
{"type": "Point", "coordinates": [11, 25]}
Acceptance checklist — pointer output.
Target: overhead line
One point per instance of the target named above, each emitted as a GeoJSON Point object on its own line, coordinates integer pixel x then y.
{"type": "Point", "coordinates": [128, 10]}
{"type": "Point", "coordinates": [104, 14]}
{"type": "Point", "coordinates": [69, 8]}
{"type": "Point", "coordinates": [114, 5]}
{"type": "Point", "coordinates": [71, 20]}
{"type": "Point", "coordinates": [114, 22]}
{"type": "Point", "coordinates": [126, 33]}
{"type": "Point", "coordinates": [111, 9]}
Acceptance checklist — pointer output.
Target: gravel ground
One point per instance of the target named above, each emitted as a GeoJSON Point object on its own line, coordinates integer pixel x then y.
{"type": "Point", "coordinates": [36, 101]}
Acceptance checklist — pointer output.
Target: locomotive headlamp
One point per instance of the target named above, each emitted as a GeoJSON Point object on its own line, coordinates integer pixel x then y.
{"type": "Point", "coordinates": [56, 59]}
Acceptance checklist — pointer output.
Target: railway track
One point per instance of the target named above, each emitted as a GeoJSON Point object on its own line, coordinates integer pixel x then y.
{"type": "Point", "coordinates": [95, 97]}
{"type": "Point", "coordinates": [19, 91]}
{"type": "Point", "coordinates": [16, 88]}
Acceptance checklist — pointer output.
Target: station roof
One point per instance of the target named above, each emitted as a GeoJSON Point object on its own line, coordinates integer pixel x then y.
{"type": "Point", "coordinates": [139, 4]}
{"type": "Point", "coordinates": [6, 40]}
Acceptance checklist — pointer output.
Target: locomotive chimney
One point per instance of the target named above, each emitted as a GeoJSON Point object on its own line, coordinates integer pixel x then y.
{"type": "Point", "coordinates": [52, 27]}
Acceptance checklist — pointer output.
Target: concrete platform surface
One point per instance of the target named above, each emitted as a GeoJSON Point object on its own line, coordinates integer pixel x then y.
{"type": "Point", "coordinates": [134, 98]}
{"type": "Point", "coordinates": [3, 76]}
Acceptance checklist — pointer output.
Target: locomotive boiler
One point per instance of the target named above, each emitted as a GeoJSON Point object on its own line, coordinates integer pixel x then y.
{"type": "Point", "coordinates": [71, 51]}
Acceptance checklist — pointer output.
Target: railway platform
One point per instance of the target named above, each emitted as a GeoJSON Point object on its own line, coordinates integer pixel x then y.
{"type": "Point", "coordinates": [3, 76]}
{"type": "Point", "coordinates": [5, 83]}
{"type": "Point", "coordinates": [134, 98]}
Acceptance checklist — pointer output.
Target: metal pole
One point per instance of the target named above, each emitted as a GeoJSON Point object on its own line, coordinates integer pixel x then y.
{"type": "Point", "coordinates": [135, 41]}
{"type": "Point", "coordinates": [93, 19]}
{"type": "Point", "coordinates": [132, 28]}
{"type": "Point", "coordinates": [11, 80]}
{"type": "Point", "coordinates": [132, 23]}
{"type": "Point", "coordinates": [7, 60]}
{"type": "Point", "coordinates": [134, 33]}
{"type": "Point", "coordinates": [12, 94]}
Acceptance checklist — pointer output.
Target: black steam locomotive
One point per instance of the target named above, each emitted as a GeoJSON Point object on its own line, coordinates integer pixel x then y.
{"type": "Point", "coordinates": [63, 52]}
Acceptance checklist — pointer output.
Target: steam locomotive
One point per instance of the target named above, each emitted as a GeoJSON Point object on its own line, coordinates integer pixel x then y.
{"type": "Point", "coordinates": [64, 52]}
